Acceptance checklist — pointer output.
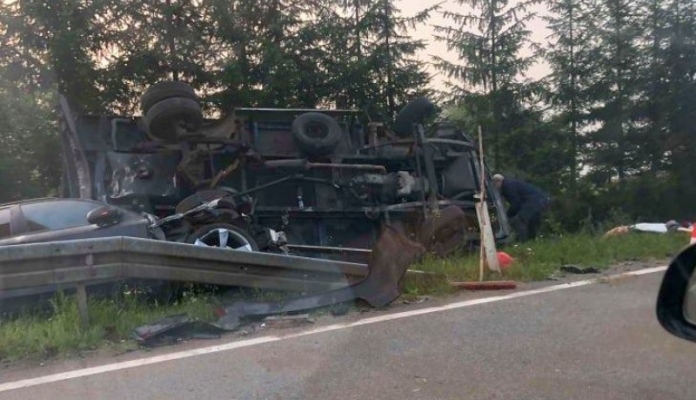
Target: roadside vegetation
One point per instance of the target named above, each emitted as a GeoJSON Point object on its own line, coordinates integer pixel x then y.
{"type": "Point", "coordinates": [56, 332]}
{"type": "Point", "coordinates": [540, 259]}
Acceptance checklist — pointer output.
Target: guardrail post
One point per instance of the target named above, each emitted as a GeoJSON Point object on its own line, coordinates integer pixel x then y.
{"type": "Point", "coordinates": [82, 305]}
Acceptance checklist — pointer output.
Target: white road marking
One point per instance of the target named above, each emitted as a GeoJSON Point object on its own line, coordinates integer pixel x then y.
{"type": "Point", "coordinates": [81, 373]}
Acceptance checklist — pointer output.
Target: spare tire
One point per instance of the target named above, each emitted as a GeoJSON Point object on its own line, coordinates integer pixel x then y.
{"type": "Point", "coordinates": [163, 91]}
{"type": "Point", "coordinates": [166, 118]}
{"type": "Point", "coordinates": [316, 133]}
{"type": "Point", "coordinates": [414, 112]}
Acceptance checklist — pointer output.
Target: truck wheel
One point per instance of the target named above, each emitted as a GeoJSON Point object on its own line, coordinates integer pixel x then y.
{"type": "Point", "coordinates": [414, 112]}
{"type": "Point", "coordinates": [224, 236]}
{"type": "Point", "coordinates": [163, 91]}
{"type": "Point", "coordinates": [166, 118]}
{"type": "Point", "coordinates": [316, 133]}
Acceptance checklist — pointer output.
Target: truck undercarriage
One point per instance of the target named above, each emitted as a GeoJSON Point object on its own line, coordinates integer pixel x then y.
{"type": "Point", "coordinates": [328, 179]}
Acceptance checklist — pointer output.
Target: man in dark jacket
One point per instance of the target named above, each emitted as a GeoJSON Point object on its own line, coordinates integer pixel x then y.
{"type": "Point", "coordinates": [527, 202]}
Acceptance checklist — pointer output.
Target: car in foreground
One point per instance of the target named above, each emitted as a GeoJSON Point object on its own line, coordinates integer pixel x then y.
{"type": "Point", "coordinates": [676, 301]}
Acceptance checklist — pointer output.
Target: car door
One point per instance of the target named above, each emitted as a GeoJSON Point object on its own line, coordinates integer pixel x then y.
{"type": "Point", "coordinates": [66, 219]}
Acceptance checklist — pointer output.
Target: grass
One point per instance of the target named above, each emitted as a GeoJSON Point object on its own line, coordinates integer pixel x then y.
{"type": "Point", "coordinates": [42, 335]}
{"type": "Point", "coordinates": [537, 260]}
{"type": "Point", "coordinates": [38, 335]}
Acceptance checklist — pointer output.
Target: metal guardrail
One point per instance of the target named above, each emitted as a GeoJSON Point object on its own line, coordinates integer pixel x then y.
{"type": "Point", "coordinates": [81, 263]}
{"type": "Point", "coordinates": [91, 260]}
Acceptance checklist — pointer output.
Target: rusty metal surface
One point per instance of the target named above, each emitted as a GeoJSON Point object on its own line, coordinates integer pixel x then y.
{"type": "Point", "coordinates": [389, 261]}
{"type": "Point", "coordinates": [444, 231]}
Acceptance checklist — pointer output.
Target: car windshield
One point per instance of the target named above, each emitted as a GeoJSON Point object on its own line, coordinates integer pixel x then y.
{"type": "Point", "coordinates": [437, 199]}
{"type": "Point", "coordinates": [56, 214]}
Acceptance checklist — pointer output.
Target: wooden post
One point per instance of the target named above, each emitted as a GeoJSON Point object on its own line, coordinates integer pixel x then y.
{"type": "Point", "coordinates": [488, 251]}
{"type": "Point", "coordinates": [482, 201]}
{"type": "Point", "coordinates": [82, 305]}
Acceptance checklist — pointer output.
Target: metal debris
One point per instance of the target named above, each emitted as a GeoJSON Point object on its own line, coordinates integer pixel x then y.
{"type": "Point", "coordinates": [173, 329]}
{"type": "Point", "coordinates": [577, 269]}
{"type": "Point", "coordinates": [491, 285]}
{"type": "Point", "coordinates": [390, 259]}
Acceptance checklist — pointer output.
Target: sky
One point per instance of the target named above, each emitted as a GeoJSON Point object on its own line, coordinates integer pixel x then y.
{"type": "Point", "coordinates": [411, 7]}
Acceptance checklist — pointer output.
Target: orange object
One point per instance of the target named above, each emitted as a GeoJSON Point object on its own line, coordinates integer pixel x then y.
{"type": "Point", "coordinates": [505, 260]}
{"type": "Point", "coordinates": [693, 234]}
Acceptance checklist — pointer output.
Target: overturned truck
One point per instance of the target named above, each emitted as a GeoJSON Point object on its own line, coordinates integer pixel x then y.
{"type": "Point", "coordinates": [327, 180]}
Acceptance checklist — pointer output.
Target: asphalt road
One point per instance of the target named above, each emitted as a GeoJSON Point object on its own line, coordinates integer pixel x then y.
{"type": "Point", "coordinates": [599, 341]}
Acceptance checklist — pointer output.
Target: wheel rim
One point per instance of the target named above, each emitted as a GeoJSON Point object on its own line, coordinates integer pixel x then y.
{"type": "Point", "coordinates": [224, 239]}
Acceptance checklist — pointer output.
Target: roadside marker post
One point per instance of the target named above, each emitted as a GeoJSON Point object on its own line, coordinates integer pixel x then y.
{"type": "Point", "coordinates": [489, 254]}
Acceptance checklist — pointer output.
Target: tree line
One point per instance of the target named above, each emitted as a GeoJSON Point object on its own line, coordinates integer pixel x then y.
{"type": "Point", "coordinates": [609, 128]}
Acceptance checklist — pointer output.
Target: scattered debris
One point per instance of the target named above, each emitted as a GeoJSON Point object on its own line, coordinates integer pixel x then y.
{"type": "Point", "coordinates": [556, 276]}
{"type": "Point", "coordinates": [419, 300]}
{"type": "Point", "coordinates": [577, 269]}
{"type": "Point", "coordinates": [389, 260]}
{"type": "Point", "coordinates": [173, 329]}
{"type": "Point", "coordinates": [491, 285]}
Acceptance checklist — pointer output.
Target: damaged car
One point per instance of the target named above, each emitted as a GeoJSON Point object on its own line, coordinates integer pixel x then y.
{"type": "Point", "coordinates": [211, 219]}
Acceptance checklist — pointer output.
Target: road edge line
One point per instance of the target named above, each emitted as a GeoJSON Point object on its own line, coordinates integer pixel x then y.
{"type": "Point", "coordinates": [85, 372]}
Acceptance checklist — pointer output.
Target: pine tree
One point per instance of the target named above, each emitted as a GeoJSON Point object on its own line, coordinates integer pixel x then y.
{"type": "Point", "coordinates": [616, 62]}
{"type": "Point", "coordinates": [488, 44]}
{"type": "Point", "coordinates": [572, 27]}
{"type": "Point", "coordinates": [680, 59]}
{"type": "Point", "coordinates": [47, 44]}
{"type": "Point", "coordinates": [372, 56]}
{"type": "Point", "coordinates": [146, 42]}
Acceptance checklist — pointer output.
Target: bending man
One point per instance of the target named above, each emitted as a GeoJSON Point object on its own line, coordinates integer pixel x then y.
{"type": "Point", "coordinates": [527, 202]}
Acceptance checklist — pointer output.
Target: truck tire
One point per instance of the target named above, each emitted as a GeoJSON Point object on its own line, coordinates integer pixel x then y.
{"type": "Point", "coordinates": [163, 91]}
{"type": "Point", "coordinates": [164, 117]}
{"type": "Point", "coordinates": [414, 112]}
{"type": "Point", "coordinates": [316, 133]}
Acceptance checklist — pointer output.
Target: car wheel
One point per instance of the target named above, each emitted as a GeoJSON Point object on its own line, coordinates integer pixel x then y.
{"type": "Point", "coordinates": [224, 236]}
{"type": "Point", "coordinates": [414, 112]}
{"type": "Point", "coordinates": [316, 133]}
{"type": "Point", "coordinates": [165, 90]}
{"type": "Point", "coordinates": [166, 119]}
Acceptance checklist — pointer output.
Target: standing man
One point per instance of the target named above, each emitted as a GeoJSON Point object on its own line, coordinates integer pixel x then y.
{"type": "Point", "coordinates": [527, 202]}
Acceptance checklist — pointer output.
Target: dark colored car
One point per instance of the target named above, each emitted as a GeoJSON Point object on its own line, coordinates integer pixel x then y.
{"type": "Point", "coordinates": [47, 220]}
{"type": "Point", "coordinates": [206, 222]}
